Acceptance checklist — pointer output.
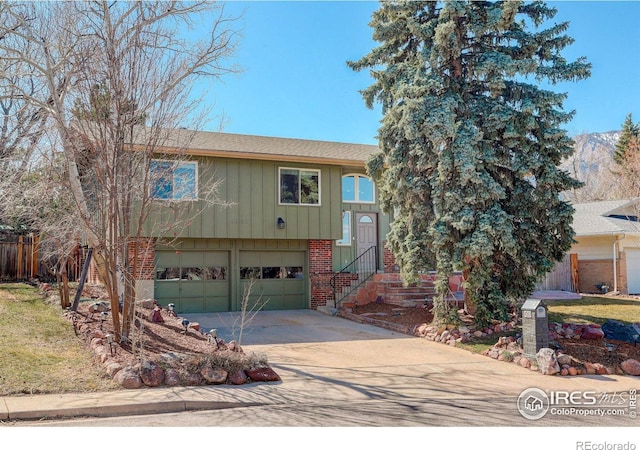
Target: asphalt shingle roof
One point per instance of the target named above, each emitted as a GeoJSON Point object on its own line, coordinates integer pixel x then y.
{"type": "Point", "coordinates": [203, 143]}
{"type": "Point", "coordinates": [591, 219]}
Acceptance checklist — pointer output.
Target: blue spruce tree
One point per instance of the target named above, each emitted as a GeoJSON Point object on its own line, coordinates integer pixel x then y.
{"type": "Point", "coordinates": [470, 144]}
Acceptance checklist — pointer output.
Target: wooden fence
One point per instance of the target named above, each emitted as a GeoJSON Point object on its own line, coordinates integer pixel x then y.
{"type": "Point", "coordinates": [563, 277]}
{"type": "Point", "coordinates": [20, 260]}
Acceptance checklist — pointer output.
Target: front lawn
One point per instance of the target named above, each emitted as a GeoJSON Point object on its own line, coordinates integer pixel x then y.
{"type": "Point", "coordinates": [40, 352]}
{"type": "Point", "coordinates": [592, 309]}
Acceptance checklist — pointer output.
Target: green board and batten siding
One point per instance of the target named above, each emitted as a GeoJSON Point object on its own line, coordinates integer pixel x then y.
{"type": "Point", "coordinates": [233, 235]}
{"type": "Point", "coordinates": [249, 189]}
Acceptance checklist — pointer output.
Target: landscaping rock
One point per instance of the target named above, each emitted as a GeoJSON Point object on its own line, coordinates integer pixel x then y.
{"type": "Point", "coordinates": [129, 378]}
{"type": "Point", "coordinates": [151, 374]}
{"type": "Point", "coordinates": [564, 359]}
{"type": "Point", "coordinates": [631, 367]}
{"type": "Point", "coordinates": [214, 376]}
{"type": "Point", "coordinates": [592, 332]}
{"type": "Point", "coordinates": [99, 307]}
{"type": "Point", "coordinates": [589, 368]}
{"type": "Point", "coordinates": [262, 374]}
{"type": "Point", "coordinates": [193, 379]}
{"type": "Point", "coordinates": [172, 377]}
{"type": "Point", "coordinates": [113, 368]}
{"type": "Point", "coordinates": [547, 361]}
{"type": "Point", "coordinates": [238, 377]}
{"type": "Point", "coordinates": [148, 303]}
{"type": "Point", "coordinates": [156, 315]}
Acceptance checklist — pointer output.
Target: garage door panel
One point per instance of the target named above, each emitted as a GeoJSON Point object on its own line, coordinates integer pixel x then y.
{"type": "Point", "coordinates": [280, 278]}
{"type": "Point", "coordinates": [633, 270]}
{"type": "Point", "coordinates": [196, 281]}
{"type": "Point", "coordinates": [216, 296]}
{"type": "Point", "coordinates": [167, 290]}
{"type": "Point", "coordinates": [190, 305]}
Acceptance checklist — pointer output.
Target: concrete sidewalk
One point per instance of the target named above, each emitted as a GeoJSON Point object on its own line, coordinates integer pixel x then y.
{"type": "Point", "coordinates": [320, 357]}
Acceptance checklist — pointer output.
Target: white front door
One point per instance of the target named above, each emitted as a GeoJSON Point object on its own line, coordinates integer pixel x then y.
{"type": "Point", "coordinates": [366, 237]}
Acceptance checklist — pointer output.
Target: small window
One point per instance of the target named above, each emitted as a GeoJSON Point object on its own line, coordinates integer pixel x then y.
{"type": "Point", "coordinates": [169, 273]}
{"type": "Point", "coordinates": [250, 273]}
{"type": "Point", "coordinates": [299, 186]}
{"type": "Point", "coordinates": [204, 273]}
{"type": "Point", "coordinates": [271, 273]}
{"type": "Point", "coordinates": [346, 229]}
{"type": "Point", "coordinates": [173, 180]}
{"type": "Point", "coordinates": [357, 188]}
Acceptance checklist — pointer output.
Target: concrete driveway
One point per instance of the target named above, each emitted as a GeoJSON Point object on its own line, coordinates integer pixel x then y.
{"type": "Point", "coordinates": [288, 327]}
{"type": "Point", "coordinates": [306, 345]}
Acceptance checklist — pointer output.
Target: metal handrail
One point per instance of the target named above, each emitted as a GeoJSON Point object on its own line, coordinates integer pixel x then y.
{"type": "Point", "coordinates": [365, 266]}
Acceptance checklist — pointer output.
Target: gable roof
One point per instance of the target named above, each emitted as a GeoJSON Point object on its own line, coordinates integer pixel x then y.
{"type": "Point", "coordinates": [610, 217]}
{"type": "Point", "coordinates": [229, 145]}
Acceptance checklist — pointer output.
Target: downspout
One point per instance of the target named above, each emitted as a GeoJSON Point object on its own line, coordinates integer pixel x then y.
{"type": "Point", "coordinates": [615, 271]}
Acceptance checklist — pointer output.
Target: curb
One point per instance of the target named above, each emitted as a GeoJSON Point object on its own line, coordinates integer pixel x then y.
{"type": "Point", "coordinates": [124, 409]}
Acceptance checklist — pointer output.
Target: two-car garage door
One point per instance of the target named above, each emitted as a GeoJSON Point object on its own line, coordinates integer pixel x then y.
{"type": "Point", "coordinates": [218, 280]}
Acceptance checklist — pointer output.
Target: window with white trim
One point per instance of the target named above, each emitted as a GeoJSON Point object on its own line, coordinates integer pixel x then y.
{"type": "Point", "coordinates": [346, 229]}
{"type": "Point", "coordinates": [299, 186]}
{"type": "Point", "coordinates": [173, 180]}
{"type": "Point", "coordinates": [357, 188]}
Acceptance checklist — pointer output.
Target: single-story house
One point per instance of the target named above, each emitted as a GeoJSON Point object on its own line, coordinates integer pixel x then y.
{"type": "Point", "coordinates": [607, 251]}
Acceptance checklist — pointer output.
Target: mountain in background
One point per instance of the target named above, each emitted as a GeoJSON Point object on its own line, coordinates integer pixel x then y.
{"type": "Point", "coordinates": [593, 164]}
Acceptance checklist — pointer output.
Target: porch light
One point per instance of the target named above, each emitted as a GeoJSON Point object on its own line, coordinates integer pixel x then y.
{"type": "Point", "coordinates": [281, 223]}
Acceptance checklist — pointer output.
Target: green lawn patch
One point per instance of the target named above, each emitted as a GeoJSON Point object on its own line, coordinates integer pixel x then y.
{"type": "Point", "coordinates": [593, 309]}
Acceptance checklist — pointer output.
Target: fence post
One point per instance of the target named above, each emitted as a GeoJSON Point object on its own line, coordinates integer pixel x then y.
{"type": "Point", "coordinates": [83, 277]}
{"type": "Point", "coordinates": [20, 248]}
{"type": "Point", "coordinates": [35, 257]}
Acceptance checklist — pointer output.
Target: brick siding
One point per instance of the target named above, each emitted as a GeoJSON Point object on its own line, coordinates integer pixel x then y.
{"type": "Point", "coordinates": [320, 272]}
{"type": "Point", "coordinates": [596, 271]}
{"type": "Point", "coordinates": [388, 260]}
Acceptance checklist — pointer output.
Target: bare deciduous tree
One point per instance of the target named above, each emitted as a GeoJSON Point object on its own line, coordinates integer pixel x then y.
{"type": "Point", "coordinates": [117, 78]}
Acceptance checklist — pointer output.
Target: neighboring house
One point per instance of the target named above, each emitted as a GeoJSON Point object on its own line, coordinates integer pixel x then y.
{"type": "Point", "coordinates": [300, 210]}
{"type": "Point", "coordinates": [608, 246]}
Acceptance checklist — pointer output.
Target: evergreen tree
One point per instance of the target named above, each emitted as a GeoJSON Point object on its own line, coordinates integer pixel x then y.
{"type": "Point", "coordinates": [630, 132]}
{"type": "Point", "coordinates": [470, 145]}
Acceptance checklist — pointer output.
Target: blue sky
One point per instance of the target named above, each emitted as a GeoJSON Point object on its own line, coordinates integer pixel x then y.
{"type": "Point", "coordinates": [295, 81]}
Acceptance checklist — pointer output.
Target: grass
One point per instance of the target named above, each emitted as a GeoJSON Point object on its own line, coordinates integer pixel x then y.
{"type": "Point", "coordinates": [40, 351]}
{"type": "Point", "coordinates": [593, 309]}
{"type": "Point", "coordinates": [589, 309]}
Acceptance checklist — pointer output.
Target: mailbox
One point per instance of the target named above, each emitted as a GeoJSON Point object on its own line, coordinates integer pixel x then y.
{"type": "Point", "coordinates": [535, 327]}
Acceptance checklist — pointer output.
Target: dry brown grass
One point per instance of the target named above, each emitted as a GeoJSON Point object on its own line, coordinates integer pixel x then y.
{"type": "Point", "coordinates": [40, 352]}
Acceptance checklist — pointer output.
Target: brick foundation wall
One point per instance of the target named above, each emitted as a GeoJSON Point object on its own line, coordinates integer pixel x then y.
{"type": "Point", "coordinates": [320, 272]}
